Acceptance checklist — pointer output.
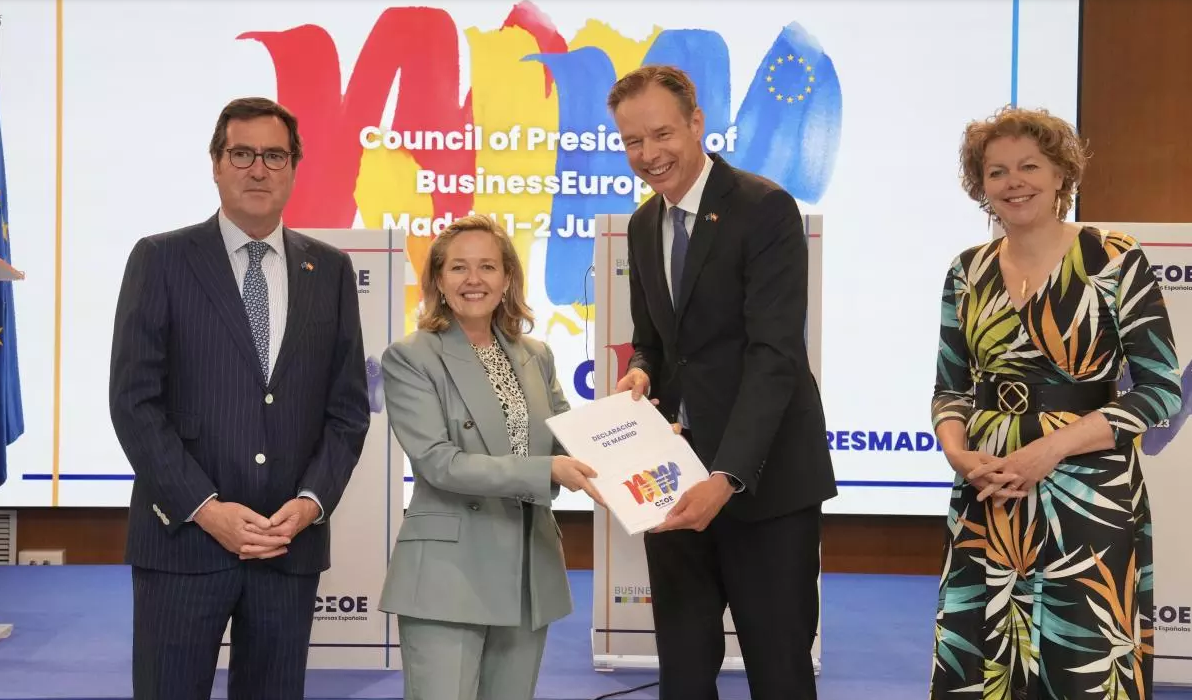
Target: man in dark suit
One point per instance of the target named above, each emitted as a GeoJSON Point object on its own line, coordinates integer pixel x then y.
{"type": "Point", "coordinates": [718, 294]}
{"type": "Point", "coordinates": [238, 393]}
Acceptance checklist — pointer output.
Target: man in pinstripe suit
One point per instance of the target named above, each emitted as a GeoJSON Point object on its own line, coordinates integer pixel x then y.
{"type": "Point", "coordinates": [238, 393]}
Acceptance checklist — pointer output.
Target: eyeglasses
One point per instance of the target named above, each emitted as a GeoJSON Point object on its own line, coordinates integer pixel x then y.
{"type": "Point", "coordinates": [243, 158]}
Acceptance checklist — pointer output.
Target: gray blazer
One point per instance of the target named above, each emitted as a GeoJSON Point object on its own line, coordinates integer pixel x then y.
{"type": "Point", "coordinates": [458, 556]}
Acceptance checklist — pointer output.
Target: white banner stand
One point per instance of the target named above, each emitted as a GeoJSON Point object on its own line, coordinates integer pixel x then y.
{"type": "Point", "coordinates": [1166, 453]}
{"type": "Point", "coordinates": [349, 631]}
{"type": "Point", "coordinates": [622, 621]}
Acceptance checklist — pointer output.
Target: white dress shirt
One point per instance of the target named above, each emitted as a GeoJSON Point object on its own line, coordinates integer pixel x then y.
{"type": "Point", "coordinates": [690, 204]}
{"type": "Point", "coordinates": [273, 265]}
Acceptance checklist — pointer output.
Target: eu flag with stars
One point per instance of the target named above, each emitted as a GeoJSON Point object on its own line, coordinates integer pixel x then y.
{"type": "Point", "coordinates": [789, 121]}
{"type": "Point", "coordinates": [12, 417]}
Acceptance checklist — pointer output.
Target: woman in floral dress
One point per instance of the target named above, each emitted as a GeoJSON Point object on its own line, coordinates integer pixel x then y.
{"type": "Point", "coordinates": [1047, 584]}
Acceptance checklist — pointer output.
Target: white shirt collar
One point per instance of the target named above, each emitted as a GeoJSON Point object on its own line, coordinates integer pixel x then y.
{"type": "Point", "coordinates": [690, 201]}
{"type": "Point", "coordinates": [234, 238]}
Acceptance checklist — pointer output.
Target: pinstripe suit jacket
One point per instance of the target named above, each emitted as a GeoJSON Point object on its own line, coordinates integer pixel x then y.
{"type": "Point", "coordinates": [193, 412]}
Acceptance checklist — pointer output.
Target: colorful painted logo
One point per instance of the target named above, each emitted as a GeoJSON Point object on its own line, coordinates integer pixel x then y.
{"type": "Point", "coordinates": [657, 486]}
{"type": "Point", "coordinates": [532, 118]}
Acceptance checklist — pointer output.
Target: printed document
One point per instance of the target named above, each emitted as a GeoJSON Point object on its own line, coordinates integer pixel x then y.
{"type": "Point", "coordinates": [642, 466]}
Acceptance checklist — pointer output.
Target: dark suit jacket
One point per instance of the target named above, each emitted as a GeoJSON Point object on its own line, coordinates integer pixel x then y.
{"type": "Point", "coordinates": [734, 349]}
{"type": "Point", "coordinates": [191, 408]}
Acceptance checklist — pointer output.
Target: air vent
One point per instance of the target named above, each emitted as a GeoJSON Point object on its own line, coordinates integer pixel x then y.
{"type": "Point", "coordinates": [8, 537]}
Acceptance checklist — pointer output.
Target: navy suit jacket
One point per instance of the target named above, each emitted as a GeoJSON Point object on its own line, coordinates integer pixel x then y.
{"type": "Point", "coordinates": [193, 412]}
{"type": "Point", "coordinates": [733, 351]}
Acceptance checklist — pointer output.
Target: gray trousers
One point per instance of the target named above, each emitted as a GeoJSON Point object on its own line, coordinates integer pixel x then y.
{"type": "Point", "coordinates": [452, 661]}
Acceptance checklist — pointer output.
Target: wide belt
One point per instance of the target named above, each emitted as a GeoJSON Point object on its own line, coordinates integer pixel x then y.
{"type": "Point", "coordinates": [1018, 397]}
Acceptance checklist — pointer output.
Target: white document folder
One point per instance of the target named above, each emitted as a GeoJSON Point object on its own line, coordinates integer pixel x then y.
{"type": "Point", "coordinates": [642, 466]}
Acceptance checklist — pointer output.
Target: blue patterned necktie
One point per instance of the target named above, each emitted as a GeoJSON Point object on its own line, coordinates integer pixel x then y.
{"type": "Point", "coordinates": [678, 252]}
{"type": "Point", "coordinates": [256, 302]}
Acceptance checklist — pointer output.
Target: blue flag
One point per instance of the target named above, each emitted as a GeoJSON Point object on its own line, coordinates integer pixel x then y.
{"type": "Point", "coordinates": [12, 416]}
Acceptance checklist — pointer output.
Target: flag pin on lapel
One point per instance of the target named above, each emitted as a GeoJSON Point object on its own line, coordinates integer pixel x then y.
{"type": "Point", "coordinates": [308, 266]}
{"type": "Point", "coordinates": [711, 217]}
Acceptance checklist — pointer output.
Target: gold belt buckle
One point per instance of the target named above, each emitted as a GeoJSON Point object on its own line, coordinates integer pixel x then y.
{"type": "Point", "coordinates": [1013, 397]}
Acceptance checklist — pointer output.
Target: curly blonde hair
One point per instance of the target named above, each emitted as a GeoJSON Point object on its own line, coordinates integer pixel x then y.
{"type": "Point", "coordinates": [512, 315]}
{"type": "Point", "coordinates": [1057, 141]}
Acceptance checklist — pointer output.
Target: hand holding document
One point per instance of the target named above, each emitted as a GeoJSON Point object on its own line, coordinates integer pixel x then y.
{"type": "Point", "coordinates": [642, 466]}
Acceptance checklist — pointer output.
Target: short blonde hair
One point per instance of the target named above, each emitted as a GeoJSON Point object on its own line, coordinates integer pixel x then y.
{"type": "Point", "coordinates": [670, 78]}
{"type": "Point", "coordinates": [1057, 141]}
{"type": "Point", "coordinates": [512, 315]}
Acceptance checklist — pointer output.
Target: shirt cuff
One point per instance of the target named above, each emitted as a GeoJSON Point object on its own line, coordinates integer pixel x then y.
{"type": "Point", "coordinates": [738, 485]}
{"type": "Point", "coordinates": [307, 493]}
{"type": "Point", "coordinates": [191, 519]}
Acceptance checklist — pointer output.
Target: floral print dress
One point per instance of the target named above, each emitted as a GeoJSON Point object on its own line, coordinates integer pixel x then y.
{"type": "Point", "coordinates": [1049, 596]}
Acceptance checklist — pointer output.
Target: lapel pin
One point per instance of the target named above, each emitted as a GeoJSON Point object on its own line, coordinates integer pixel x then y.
{"type": "Point", "coordinates": [711, 217]}
{"type": "Point", "coordinates": [308, 266]}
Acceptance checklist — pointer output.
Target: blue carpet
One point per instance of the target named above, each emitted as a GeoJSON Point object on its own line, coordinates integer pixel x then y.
{"type": "Point", "coordinates": [74, 631]}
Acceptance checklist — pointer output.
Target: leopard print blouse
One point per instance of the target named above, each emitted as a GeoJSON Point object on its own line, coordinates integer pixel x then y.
{"type": "Point", "coordinates": [509, 393]}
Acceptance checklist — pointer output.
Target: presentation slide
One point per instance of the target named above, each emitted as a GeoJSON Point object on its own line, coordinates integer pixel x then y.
{"type": "Point", "coordinates": [415, 115]}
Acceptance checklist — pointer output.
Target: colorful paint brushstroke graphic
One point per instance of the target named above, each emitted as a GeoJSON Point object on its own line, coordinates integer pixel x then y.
{"type": "Point", "coordinates": [528, 86]}
{"type": "Point", "coordinates": [655, 486]}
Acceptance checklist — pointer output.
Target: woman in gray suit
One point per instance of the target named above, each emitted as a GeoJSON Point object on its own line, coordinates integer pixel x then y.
{"type": "Point", "coordinates": [477, 573]}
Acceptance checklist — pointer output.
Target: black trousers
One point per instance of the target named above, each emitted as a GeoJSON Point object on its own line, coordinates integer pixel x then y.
{"type": "Point", "coordinates": [767, 572]}
{"type": "Point", "coordinates": [179, 622]}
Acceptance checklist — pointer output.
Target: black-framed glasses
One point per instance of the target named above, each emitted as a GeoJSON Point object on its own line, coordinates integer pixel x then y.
{"type": "Point", "coordinates": [243, 158]}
